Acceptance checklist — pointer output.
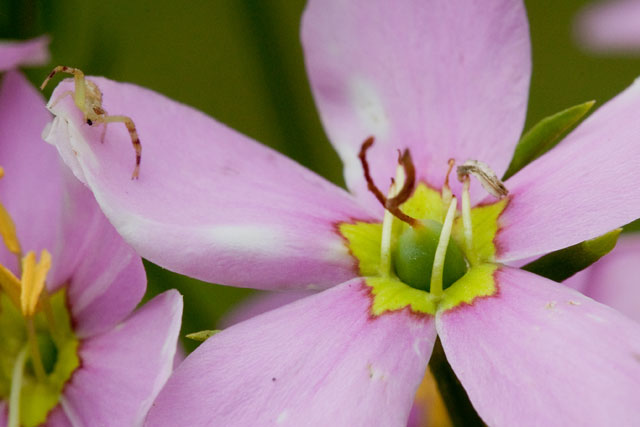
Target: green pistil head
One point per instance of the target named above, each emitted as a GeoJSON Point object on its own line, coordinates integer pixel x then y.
{"type": "Point", "coordinates": [414, 254]}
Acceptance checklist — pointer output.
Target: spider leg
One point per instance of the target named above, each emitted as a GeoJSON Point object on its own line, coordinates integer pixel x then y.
{"type": "Point", "coordinates": [58, 99]}
{"type": "Point", "coordinates": [104, 132]}
{"type": "Point", "coordinates": [80, 84]}
{"type": "Point", "coordinates": [131, 127]}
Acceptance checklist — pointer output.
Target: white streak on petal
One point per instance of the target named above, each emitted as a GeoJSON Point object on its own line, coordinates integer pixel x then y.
{"type": "Point", "coordinates": [282, 417]}
{"type": "Point", "coordinates": [245, 237]}
{"type": "Point", "coordinates": [369, 107]}
{"type": "Point", "coordinates": [104, 280]}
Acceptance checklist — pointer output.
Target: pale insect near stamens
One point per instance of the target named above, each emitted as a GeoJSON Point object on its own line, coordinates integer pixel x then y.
{"type": "Point", "coordinates": [489, 180]}
{"type": "Point", "coordinates": [88, 99]}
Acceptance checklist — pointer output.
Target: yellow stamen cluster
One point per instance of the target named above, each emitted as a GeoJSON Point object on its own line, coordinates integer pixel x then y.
{"type": "Point", "coordinates": [33, 278]}
{"type": "Point", "coordinates": [25, 292]}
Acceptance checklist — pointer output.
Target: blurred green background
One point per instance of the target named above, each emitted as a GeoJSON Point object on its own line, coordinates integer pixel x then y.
{"type": "Point", "coordinates": [240, 61]}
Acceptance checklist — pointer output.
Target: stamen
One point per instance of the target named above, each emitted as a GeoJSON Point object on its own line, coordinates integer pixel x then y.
{"type": "Point", "coordinates": [387, 225]}
{"type": "Point", "coordinates": [408, 183]}
{"type": "Point", "coordinates": [10, 285]}
{"type": "Point", "coordinates": [8, 229]}
{"type": "Point", "coordinates": [446, 189]}
{"type": "Point", "coordinates": [16, 389]}
{"type": "Point", "coordinates": [441, 250]}
{"type": "Point", "coordinates": [485, 175]}
{"type": "Point", "coordinates": [45, 303]}
{"type": "Point", "coordinates": [466, 222]}
{"type": "Point", "coordinates": [33, 278]}
{"type": "Point", "coordinates": [392, 204]}
{"type": "Point", "coordinates": [36, 358]}
{"type": "Point", "coordinates": [367, 175]}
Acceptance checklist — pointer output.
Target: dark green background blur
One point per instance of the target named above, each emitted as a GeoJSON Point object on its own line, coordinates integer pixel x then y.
{"type": "Point", "coordinates": [240, 61]}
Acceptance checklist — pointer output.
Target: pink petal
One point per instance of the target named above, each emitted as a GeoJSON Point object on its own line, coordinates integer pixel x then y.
{"type": "Point", "coordinates": [446, 78]}
{"type": "Point", "coordinates": [14, 54]}
{"type": "Point", "coordinates": [261, 303]}
{"type": "Point", "coordinates": [108, 282]}
{"type": "Point", "coordinates": [581, 189]}
{"type": "Point", "coordinates": [614, 279]}
{"type": "Point", "coordinates": [123, 370]}
{"type": "Point", "coordinates": [540, 353]}
{"type": "Point", "coordinates": [57, 418]}
{"type": "Point", "coordinates": [32, 171]}
{"type": "Point", "coordinates": [210, 203]}
{"type": "Point", "coordinates": [610, 26]}
{"type": "Point", "coordinates": [53, 211]}
{"type": "Point", "coordinates": [321, 358]}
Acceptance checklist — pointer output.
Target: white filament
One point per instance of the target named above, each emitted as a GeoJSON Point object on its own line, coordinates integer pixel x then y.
{"type": "Point", "coordinates": [16, 388]}
{"type": "Point", "coordinates": [466, 221]}
{"type": "Point", "coordinates": [387, 225]}
{"type": "Point", "coordinates": [441, 250]}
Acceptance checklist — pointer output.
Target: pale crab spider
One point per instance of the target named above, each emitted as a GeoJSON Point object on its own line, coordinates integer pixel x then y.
{"type": "Point", "coordinates": [88, 99]}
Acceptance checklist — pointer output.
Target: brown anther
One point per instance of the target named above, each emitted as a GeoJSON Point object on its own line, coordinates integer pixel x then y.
{"type": "Point", "coordinates": [367, 175]}
{"type": "Point", "coordinates": [403, 195]}
{"type": "Point", "coordinates": [392, 204]}
{"type": "Point", "coordinates": [485, 175]}
{"type": "Point", "coordinates": [452, 162]}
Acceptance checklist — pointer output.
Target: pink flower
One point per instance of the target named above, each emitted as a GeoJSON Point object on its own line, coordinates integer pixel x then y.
{"type": "Point", "coordinates": [609, 26]}
{"type": "Point", "coordinates": [428, 408]}
{"type": "Point", "coordinates": [14, 54]}
{"type": "Point", "coordinates": [98, 362]}
{"type": "Point", "coordinates": [614, 279]}
{"type": "Point", "coordinates": [446, 79]}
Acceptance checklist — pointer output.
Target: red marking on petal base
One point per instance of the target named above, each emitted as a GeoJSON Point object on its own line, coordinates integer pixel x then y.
{"type": "Point", "coordinates": [465, 305]}
{"type": "Point", "coordinates": [353, 221]}
{"type": "Point", "coordinates": [499, 248]}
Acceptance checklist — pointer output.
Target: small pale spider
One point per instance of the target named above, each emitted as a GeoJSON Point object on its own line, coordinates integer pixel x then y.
{"type": "Point", "coordinates": [88, 99]}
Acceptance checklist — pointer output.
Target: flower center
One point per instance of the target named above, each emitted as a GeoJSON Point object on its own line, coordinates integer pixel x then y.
{"type": "Point", "coordinates": [430, 255]}
{"type": "Point", "coordinates": [39, 349]}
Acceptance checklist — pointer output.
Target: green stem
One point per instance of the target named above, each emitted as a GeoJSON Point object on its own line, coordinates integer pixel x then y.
{"type": "Point", "coordinates": [16, 389]}
{"type": "Point", "coordinates": [461, 411]}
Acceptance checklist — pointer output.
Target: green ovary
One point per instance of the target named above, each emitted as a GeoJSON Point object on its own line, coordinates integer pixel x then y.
{"type": "Point", "coordinates": [58, 350]}
{"type": "Point", "coordinates": [412, 254]}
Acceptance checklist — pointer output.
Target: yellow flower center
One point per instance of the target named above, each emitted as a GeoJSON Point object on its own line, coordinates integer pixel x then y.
{"type": "Point", "coordinates": [471, 229]}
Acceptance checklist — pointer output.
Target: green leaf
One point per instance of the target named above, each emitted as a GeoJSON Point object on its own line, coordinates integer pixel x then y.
{"type": "Point", "coordinates": [545, 135]}
{"type": "Point", "coordinates": [562, 264]}
{"type": "Point", "coordinates": [202, 335]}
{"type": "Point", "coordinates": [633, 226]}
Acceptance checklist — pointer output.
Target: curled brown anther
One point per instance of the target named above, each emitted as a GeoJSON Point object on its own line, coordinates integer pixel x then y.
{"type": "Point", "coordinates": [392, 204]}
{"type": "Point", "coordinates": [485, 175]}
{"type": "Point", "coordinates": [446, 178]}
{"type": "Point", "coordinates": [367, 175]}
{"type": "Point", "coordinates": [409, 181]}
